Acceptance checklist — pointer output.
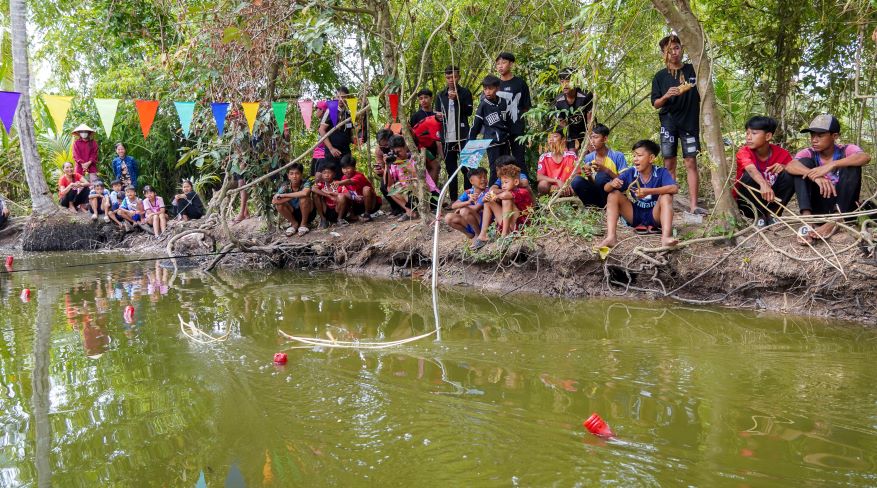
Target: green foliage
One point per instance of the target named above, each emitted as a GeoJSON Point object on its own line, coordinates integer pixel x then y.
{"type": "Point", "coordinates": [564, 219]}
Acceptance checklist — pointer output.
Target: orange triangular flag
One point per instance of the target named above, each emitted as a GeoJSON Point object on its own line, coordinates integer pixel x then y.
{"type": "Point", "coordinates": [251, 110]}
{"type": "Point", "coordinates": [146, 109]}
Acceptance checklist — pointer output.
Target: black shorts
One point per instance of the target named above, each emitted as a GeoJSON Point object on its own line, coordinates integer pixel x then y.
{"type": "Point", "coordinates": [296, 213]}
{"type": "Point", "coordinates": [670, 136]}
{"type": "Point", "coordinates": [330, 213]}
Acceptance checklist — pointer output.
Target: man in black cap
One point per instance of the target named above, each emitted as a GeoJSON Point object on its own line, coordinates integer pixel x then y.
{"type": "Point", "coordinates": [516, 93]}
{"type": "Point", "coordinates": [454, 108]}
{"type": "Point", "coordinates": [574, 107]}
{"type": "Point", "coordinates": [828, 175]}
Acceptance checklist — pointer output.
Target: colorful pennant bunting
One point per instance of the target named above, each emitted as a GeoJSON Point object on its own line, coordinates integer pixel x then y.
{"type": "Point", "coordinates": [333, 112]}
{"type": "Point", "coordinates": [351, 105]}
{"type": "Point", "coordinates": [307, 111]}
{"type": "Point", "coordinates": [280, 109]}
{"type": "Point", "coordinates": [374, 104]}
{"type": "Point", "coordinates": [8, 104]}
{"type": "Point", "coordinates": [394, 105]}
{"type": "Point", "coordinates": [185, 111]}
{"type": "Point", "coordinates": [251, 112]}
{"type": "Point", "coordinates": [146, 109]}
{"type": "Point", "coordinates": [106, 109]}
{"type": "Point", "coordinates": [201, 483]}
{"type": "Point", "coordinates": [58, 107]}
{"type": "Point", "coordinates": [220, 110]}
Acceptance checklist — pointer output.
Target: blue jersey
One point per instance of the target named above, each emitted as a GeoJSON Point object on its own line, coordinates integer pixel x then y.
{"type": "Point", "coordinates": [613, 158]}
{"type": "Point", "coordinates": [470, 196]}
{"type": "Point", "coordinates": [660, 177]}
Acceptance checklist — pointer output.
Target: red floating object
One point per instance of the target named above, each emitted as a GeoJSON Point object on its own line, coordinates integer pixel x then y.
{"type": "Point", "coordinates": [129, 314]}
{"type": "Point", "coordinates": [25, 295]}
{"type": "Point", "coordinates": [597, 426]}
{"type": "Point", "coordinates": [280, 358]}
{"type": "Point", "coordinates": [9, 260]}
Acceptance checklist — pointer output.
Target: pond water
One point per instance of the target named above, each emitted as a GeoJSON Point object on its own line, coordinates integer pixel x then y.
{"type": "Point", "coordinates": [703, 397]}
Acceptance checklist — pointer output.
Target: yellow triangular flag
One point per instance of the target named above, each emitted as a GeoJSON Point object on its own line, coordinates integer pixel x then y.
{"type": "Point", "coordinates": [251, 109]}
{"type": "Point", "coordinates": [351, 105]}
{"type": "Point", "coordinates": [58, 107]}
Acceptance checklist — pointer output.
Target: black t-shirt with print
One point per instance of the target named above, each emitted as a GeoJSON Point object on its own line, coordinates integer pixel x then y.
{"type": "Point", "coordinates": [681, 111]}
{"type": "Point", "coordinates": [575, 112]}
{"type": "Point", "coordinates": [517, 96]}
{"type": "Point", "coordinates": [343, 137]}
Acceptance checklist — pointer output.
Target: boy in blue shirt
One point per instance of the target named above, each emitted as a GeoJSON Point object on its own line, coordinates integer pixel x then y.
{"type": "Point", "coordinates": [602, 165]}
{"type": "Point", "coordinates": [651, 188]}
{"type": "Point", "coordinates": [466, 217]}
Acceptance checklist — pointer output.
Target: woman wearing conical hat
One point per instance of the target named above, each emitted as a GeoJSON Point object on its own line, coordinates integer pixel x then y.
{"type": "Point", "coordinates": [85, 152]}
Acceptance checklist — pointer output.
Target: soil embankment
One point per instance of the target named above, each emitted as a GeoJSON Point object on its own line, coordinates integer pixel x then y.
{"type": "Point", "coordinates": [765, 270]}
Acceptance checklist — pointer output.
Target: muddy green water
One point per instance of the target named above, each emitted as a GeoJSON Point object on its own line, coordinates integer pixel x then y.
{"type": "Point", "coordinates": [696, 397]}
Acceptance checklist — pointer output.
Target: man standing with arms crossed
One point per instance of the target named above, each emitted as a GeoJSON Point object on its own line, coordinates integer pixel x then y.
{"type": "Point", "coordinates": [517, 96]}
{"type": "Point", "coordinates": [453, 107]}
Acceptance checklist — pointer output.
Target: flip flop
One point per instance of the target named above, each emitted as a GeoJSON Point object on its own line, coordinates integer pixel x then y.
{"type": "Point", "coordinates": [303, 230]}
{"type": "Point", "coordinates": [641, 230]}
{"type": "Point", "coordinates": [700, 211]}
{"type": "Point", "coordinates": [653, 230]}
{"type": "Point", "coordinates": [478, 244]}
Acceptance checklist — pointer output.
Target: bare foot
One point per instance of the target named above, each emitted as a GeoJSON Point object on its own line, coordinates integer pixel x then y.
{"type": "Point", "coordinates": [669, 241]}
{"type": "Point", "coordinates": [608, 242]}
{"type": "Point", "coordinates": [824, 231]}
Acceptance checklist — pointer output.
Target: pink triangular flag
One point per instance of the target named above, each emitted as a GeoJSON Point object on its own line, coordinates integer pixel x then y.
{"type": "Point", "coordinates": [307, 111]}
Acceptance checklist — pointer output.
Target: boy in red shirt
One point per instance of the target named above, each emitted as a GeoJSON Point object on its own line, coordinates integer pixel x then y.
{"type": "Point", "coordinates": [509, 207]}
{"type": "Point", "coordinates": [762, 183]}
{"type": "Point", "coordinates": [556, 166]}
{"type": "Point", "coordinates": [364, 200]}
{"type": "Point", "coordinates": [331, 200]}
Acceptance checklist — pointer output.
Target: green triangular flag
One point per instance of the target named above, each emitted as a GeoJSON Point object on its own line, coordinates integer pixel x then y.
{"type": "Point", "coordinates": [106, 108]}
{"type": "Point", "coordinates": [373, 103]}
{"type": "Point", "coordinates": [185, 110]}
{"type": "Point", "coordinates": [280, 114]}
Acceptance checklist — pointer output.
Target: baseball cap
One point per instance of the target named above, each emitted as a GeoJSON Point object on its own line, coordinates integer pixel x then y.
{"type": "Point", "coordinates": [823, 123]}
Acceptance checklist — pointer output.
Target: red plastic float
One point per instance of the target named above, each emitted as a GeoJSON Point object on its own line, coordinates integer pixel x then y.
{"type": "Point", "coordinates": [129, 314]}
{"type": "Point", "coordinates": [25, 295]}
{"type": "Point", "coordinates": [9, 260]}
{"type": "Point", "coordinates": [280, 358]}
{"type": "Point", "coordinates": [597, 426]}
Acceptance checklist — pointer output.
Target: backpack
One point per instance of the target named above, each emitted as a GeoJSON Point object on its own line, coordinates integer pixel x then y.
{"type": "Point", "coordinates": [427, 132]}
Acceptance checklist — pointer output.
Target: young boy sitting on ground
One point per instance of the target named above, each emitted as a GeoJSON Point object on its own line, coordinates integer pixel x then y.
{"type": "Point", "coordinates": [763, 184]}
{"type": "Point", "coordinates": [652, 189]}
{"type": "Point", "coordinates": [99, 200]}
{"type": "Point", "coordinates": [555, 166]}
{"type": "Point", "coordinates": [400, 173]}
{"type": "Point", "coordinates": [602, 165]}
{"type": "Point", "coordinates": [466, 215]}
{"type": "Point", "coordinates": [293, 201]}
{"type": "Point", "coordinates": [509, 207]}
{"type": "Point", "coordinates": [131, 210]}
{"type": "Point", "coordinates": [364, 200]}
{"type": "Point", "coordinates": [116, 197]}
{"type": "Point", "coordinates": [332, 203]}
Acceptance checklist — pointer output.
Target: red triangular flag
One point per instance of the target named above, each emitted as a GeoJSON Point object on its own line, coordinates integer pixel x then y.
{"type": "Point", "coordinates": [146, 109]}
{"type": "Point", "coordinates": [394, 105]}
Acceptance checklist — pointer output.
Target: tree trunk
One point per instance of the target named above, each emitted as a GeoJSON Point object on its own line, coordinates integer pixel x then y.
{"type": "Point", "coordinates": [682, 20]}
{"type": "Point", "coordinates": [39, 192]}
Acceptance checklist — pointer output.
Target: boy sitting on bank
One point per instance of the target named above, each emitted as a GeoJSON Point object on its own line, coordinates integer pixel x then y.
{"type": "Point", "coordinates": [332, 203]}
{"type": "Point", "coordinates": [363, 198]}
{"type": "Point", "coordinates": [466, 215]}
{"type": "Point", "coordinates": [651, 188]}
{"type": "Point", "coordinates": [99, 200]}
{"type": "Point", "coordinates": [508, 207]}
{"type": "Point", "coordinates": [116, 197]}
{"type": "Point", "coordinates": [763, 185]}
{"type": "Point", "coordinates": [602, 165]}
{"type": "Point", "coordinates": [131, 210]}
{"type": "Point", "coordinates": [293, 201]}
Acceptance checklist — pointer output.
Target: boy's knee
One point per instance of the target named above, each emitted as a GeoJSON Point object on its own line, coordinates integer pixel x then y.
{"type": "Point", "coordinates": [665, 199]}
{"type": "Point", "coordinates": [691, 163]}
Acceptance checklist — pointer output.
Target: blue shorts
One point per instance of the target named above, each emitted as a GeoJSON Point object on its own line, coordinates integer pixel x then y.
{"type": "Point", "coordinates": [114, 206]}
{"type": "Point", "coordinates": [643, 216]}
{"type": "Point", "coordinates": [293, 203]}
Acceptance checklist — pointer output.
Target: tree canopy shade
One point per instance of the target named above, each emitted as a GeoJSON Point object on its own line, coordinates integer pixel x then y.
{"type": "Point", "coordinates": [780, 58]}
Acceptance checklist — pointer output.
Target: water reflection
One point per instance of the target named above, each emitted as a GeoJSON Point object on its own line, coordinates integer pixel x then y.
{"type": "Point", "coordinates": [697, 396]}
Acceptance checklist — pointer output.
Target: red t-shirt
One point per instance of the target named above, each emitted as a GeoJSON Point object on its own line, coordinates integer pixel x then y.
{"type": "Point", "coordinates": [64, 182]}
{"type": "Point", "coordinates": [562, 171]}
{"type": "Point", "coordinates": [331, 187]}
{"type": "Point", "coordinates": [746, 156]}
{"type": "Point", "coordinates": [523, 200]}
{"type": "Point", "coordinates": [358, 184]}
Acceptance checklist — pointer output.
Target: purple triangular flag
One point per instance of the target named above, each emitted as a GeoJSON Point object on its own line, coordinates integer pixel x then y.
{"type": "Point", "coordinates": [8, 104]}
{"type": "Point", "coordinates": [220, 110]}
{"type": "Point", "coordinates": [333, 112]}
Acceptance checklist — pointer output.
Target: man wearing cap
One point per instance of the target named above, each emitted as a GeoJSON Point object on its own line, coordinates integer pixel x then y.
{"type": "Point", "coordinates": [454, 107]}
{"type": "Point", "coordinates": [85, 152]}
{"type": "Point", "coordinates": [574, 109]}
{"type": "Point", "coordinates": [516, 93]}
{"type": "Point", "coordinates": [828, 175]}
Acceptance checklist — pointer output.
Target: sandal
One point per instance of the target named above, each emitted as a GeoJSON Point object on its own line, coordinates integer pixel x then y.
{"type": "Point", "coordinates": [290, 231]}
{"type": "Point", "coordinates": [478, 244]}
{"type": "Point", "coordinates": [303, 230]}
{"type": "Point", "coordinates": [641, 230]}
{"type": "Point", "coordinates": [700, 211]}
{"type": "Point", "coordinates": [653, 230]}
{"type": "Point", "coordinates": [804, 237]}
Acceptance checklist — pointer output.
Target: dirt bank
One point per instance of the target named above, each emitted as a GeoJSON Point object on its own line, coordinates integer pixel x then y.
{"type": "Point", "coordinates": [757, 270]}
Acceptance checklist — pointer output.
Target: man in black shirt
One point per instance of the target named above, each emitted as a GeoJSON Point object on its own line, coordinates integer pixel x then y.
{"type": "Point", "coordinates": [575, 108]}
{"type": "Point", "coordinates": [674, 92]}
{"type": "Point", "coordinates": [338, 143]}
{"type": "Point", "coordinates": [516, 93]}
{"type": "Point", "coordinates": [492, 120]}
{"type": "Point", "coordinates": [453, 107]}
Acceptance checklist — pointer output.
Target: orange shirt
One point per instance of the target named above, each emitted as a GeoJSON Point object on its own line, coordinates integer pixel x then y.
{"type": "Point", "coordinates": [552, 169]}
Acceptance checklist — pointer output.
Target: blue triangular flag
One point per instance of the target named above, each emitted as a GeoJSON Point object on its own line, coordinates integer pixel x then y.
{"type": "Point", "coordinates": [333, 112]}
{"type": "Point", "coordinates": [220, 110]}
{"type": "Point", "coordinates": [201, 483]}
{"type": "Point", "coordinates": [185, 110]}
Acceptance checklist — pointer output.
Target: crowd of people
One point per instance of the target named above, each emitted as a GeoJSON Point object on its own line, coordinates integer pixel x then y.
{"type": "Point", "coordinates": [826, 177]}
